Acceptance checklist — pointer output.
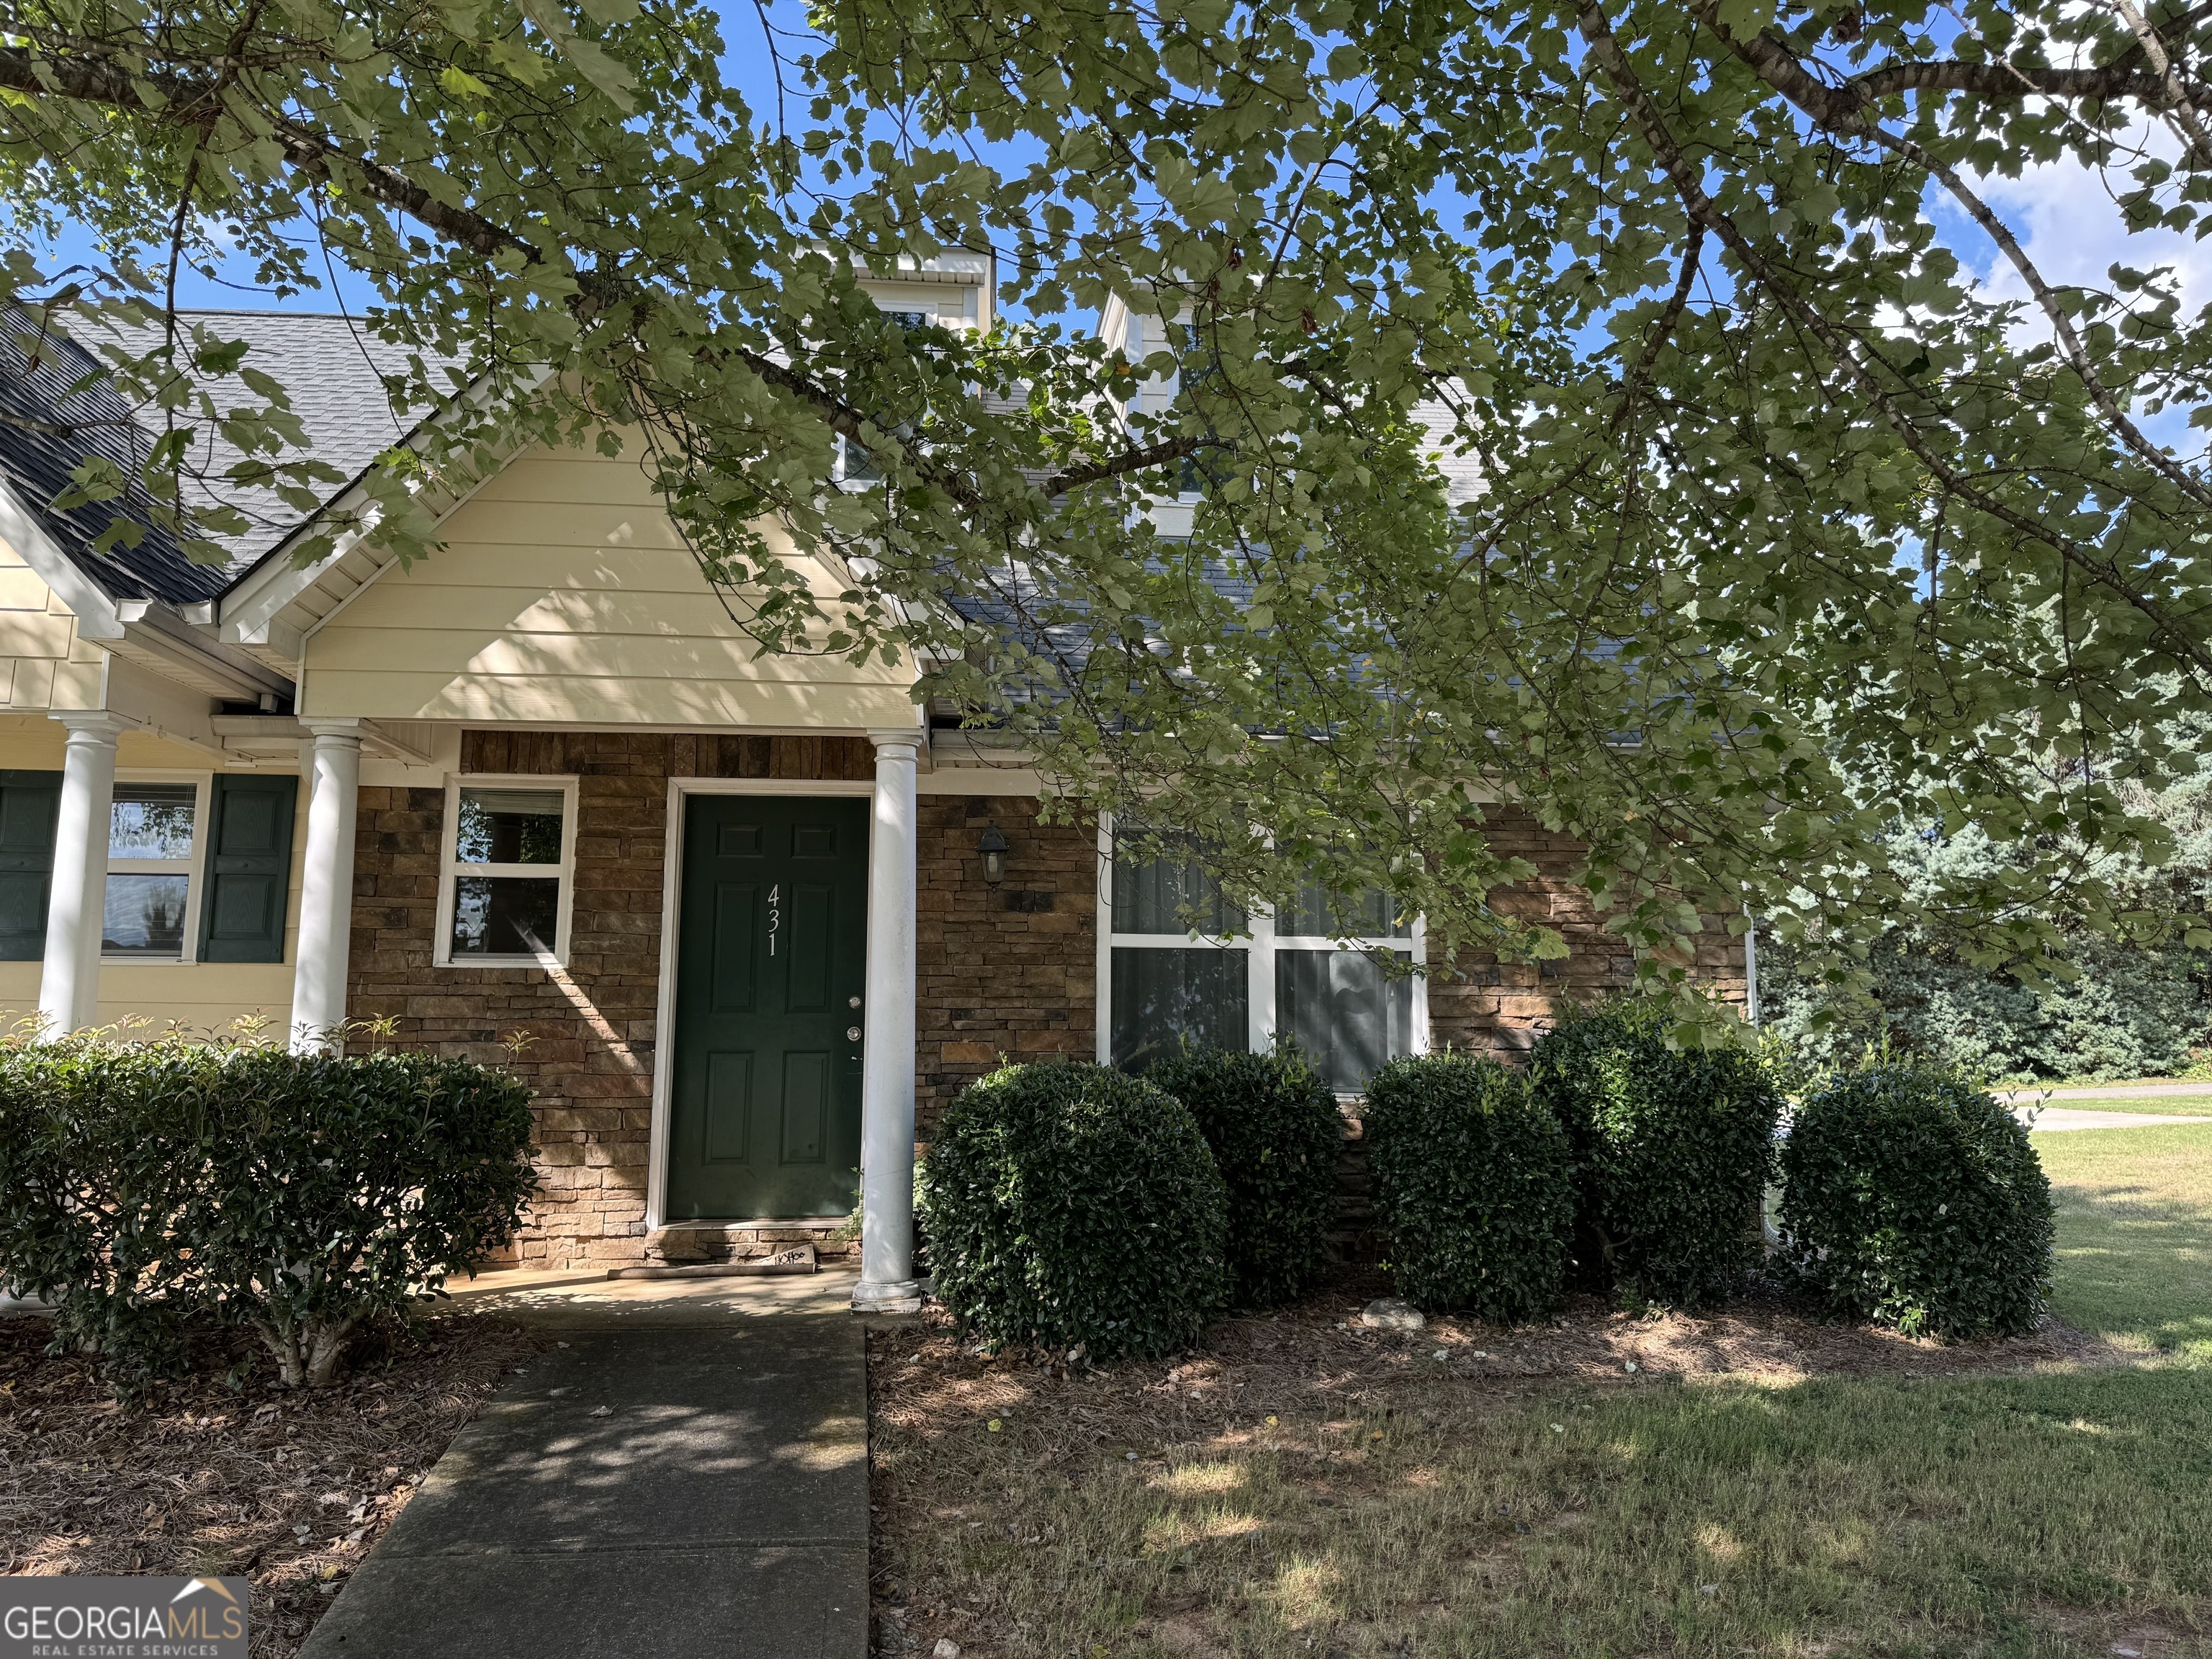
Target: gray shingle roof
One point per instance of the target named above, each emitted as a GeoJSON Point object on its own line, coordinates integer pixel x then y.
{"type": "Point", "coordinates": [57, 411]}
{"type": "Point", "coordinates": [332, 367]}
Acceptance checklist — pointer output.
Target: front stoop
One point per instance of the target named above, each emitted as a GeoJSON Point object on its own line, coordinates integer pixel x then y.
{"type": "Point", "coordinates": [687, 1242]}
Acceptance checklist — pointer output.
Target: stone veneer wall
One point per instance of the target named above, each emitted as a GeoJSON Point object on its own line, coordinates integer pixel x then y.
{"type": "Point", "coordinates": [1008, 972]}
{"type": "Point", "coordinates": [1502, 1008]}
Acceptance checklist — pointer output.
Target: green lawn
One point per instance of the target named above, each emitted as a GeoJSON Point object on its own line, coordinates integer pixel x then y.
{"type": "Point", "coordinates": [2003, 1517]}
{"type": "Point", "coordinates": [2059, 1510]}
{"type": "Point", "coordinates": [2135, 1233]}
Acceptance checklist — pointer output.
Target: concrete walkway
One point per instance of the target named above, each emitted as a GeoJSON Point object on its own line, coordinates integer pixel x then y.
{"type": "Point", "coordinates": [2051, 1119]}
{"type": "Point", "coordinates": [685, 1475]}
{"type": "Point", "coordinates": [2108, 1092]}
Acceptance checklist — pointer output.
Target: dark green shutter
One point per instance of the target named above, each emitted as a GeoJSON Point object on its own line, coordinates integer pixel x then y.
{"type": "Point", "coordinates": [249, 869]}
{"type": "Point", "coordinates": [29, 802]}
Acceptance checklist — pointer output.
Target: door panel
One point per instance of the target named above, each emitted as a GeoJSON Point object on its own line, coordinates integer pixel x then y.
{"type": "Point", "coordinates": [813, 912]}
{"type": "Point", "coordinates": [737, 906]}
{"type": "Point", "coordinates": [771, 961]}
{"type": "Point", "coordinates": [729, 1108]}
{"type": "Point", "coordinates": [805, 1106]}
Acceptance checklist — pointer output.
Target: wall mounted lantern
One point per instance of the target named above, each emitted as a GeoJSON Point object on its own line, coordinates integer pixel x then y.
{"type": "Point", "coordinates": [992, 846]}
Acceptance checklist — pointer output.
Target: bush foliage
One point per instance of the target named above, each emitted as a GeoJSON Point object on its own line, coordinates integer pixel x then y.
{"type": "Point", "coordinates": [1473, 1185]}
{"type": "Point", "coordinates": [147, 1187]}
{"type": "Point", "coordinates": [1915, 1199]}
{"type": "Point", "coordinates": [1673, 1152]}
{"type": "Point", "coordinates": [1272, 1123]}
{"type": "Point", "coordinates": [1066, 1204]}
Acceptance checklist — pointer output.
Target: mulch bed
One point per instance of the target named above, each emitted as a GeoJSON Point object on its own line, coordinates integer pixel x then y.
{"type": "Point", "coordinates": [1315, 1363]}
{"type": "Point", "coordinates": [290, 1488]}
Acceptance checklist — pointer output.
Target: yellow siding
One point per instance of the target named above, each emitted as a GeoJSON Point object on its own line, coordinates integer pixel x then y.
{"type": "Point", "coordinates": [564, 595]}
{"type": "Point", "coordinates": [204, 996]}
{"type": "Point", "coordinates": [38, 634]}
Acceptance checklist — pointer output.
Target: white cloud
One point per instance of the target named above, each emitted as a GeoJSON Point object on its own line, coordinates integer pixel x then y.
{"type": "Point", "coordinates": [2066, 220]}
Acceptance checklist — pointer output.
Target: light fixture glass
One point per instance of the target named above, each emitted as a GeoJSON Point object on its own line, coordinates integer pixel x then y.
{"type": "Point", "coordinates": [992, 846]}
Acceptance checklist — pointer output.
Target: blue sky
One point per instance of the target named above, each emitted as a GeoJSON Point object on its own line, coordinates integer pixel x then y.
{"type": "Point", "coordinates": [2063, 211]}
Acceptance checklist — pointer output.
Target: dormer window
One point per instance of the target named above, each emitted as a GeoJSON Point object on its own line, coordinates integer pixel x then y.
{"type": "Point", "coordinates": [854, 465]}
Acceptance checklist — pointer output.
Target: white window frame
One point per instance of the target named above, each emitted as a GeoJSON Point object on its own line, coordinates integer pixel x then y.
{"type": "Point", "coordinates": [1259, 946]}
{"type": "Point", "coordinates": [450, 869]}
{"type": "Point", "coordinates": [194, 867]}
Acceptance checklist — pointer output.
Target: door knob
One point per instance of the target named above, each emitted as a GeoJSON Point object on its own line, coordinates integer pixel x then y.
{"type": "Point", "coordinates": [852, 1034]}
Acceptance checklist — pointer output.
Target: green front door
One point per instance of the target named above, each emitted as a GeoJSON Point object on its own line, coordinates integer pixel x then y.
{"type": "Point", "coordinates": [771, 961]}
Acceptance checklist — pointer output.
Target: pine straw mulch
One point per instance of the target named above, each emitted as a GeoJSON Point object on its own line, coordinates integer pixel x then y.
{"type": "Point", "coordinates": [1302, 1372]}
{"type": "Point", "coordinates": [291, 1489]}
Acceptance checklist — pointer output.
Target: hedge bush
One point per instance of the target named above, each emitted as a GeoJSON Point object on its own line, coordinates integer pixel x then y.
{"type": "Point", "coordinates": [1673, 1152]}
{"type": "Point", "coordinates": [1066, 1204]}
{"type": "Point", "coordinates": [1272, 1123]}
{"type": "Point", "coordinates": [1473, 1185]}
{"type": "Point", "coordinates": [145, 1189]}
{"type": "Point", "coordinates": [1912, 1198]}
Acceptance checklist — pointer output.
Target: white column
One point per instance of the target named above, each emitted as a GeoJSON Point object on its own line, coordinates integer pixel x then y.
{"type": "Point", "coordinates": [330, 759]}
{"type": "Point", "coordinates": [887, 1283]}
{"type": "Point", "coordinates": [69, 988]}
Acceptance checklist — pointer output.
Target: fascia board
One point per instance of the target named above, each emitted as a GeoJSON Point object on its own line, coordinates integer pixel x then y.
{"type": "Point", "coordinates": [154, 629]}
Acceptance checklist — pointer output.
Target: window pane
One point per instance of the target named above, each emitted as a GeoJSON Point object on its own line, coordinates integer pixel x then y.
{"type": "Point", "coordinates": [1341, 1011]}
{"type": "Point", "coordinates": [144, 916]}
{"type": "Point", "coordinates": [1149, 897]}
{"type": "Point", "coordinates": [505, 915]}
{"type": "Point", "coordinates": [859, 466]}
{"type": "Point", "coordinates": [1162, 998]}
{"type": "Point", "coordinates": [1368, 915]}
{"type": "Point", "coordinates": [152, 821]}
{"type": "Point", "coordinates": [510, 826]}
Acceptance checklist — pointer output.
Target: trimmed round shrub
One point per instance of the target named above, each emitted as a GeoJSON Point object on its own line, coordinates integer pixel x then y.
{"type": "Point", "coordinates": [145, 1189]}
{"type": "Point", "coordinates": [1271, 1122]}
{"type": "Point", "coordinates": [1473, 1185]}
{"type": "Point", "coordinates": [1673, 1152]}
{"type": "Point", "coordinates": [1066, 1204]}
{"type": "Point", "coordinates": [1912, 1198]}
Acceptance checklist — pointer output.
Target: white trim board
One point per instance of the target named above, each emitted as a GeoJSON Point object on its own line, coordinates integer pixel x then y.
{"type": "Point", "coordinates": [671, 893]}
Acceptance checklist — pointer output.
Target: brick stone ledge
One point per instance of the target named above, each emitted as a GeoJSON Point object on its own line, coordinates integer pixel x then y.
{"type": "Point", "coordinates": [745, 1240]}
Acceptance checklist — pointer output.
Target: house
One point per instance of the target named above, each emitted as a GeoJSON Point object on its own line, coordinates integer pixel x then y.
{"type": "Point", "coordinates": [538, 799]}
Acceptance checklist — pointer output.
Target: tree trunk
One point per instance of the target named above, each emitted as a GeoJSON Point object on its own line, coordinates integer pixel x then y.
{"type": "Point", "coordinates": [282, 1342]}
{"type": "Point", "coordinates": [326, 1343]}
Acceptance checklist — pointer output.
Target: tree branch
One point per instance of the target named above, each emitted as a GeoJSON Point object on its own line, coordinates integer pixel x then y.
{"type": "Point", "coordinates": [1605, 50]}
{"type": "Point", "coordinates": [89, 79]}
{"type": "Point", "coordinates": [1134, 460]}
{"type": "Point", "coordinates": [1633, 389]}
{"type": "Point", "coordinates": [1779, 68]}
{"type": "Point", "coordinates": [2008, 83]}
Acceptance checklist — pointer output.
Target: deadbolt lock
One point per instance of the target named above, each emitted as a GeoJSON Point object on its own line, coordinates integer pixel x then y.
{"type": "Point", "coordinates": [852, 1034]}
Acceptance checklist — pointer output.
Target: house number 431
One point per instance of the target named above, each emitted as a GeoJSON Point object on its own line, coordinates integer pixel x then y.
{"type": "Point", "coordinates": [774, 914]}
